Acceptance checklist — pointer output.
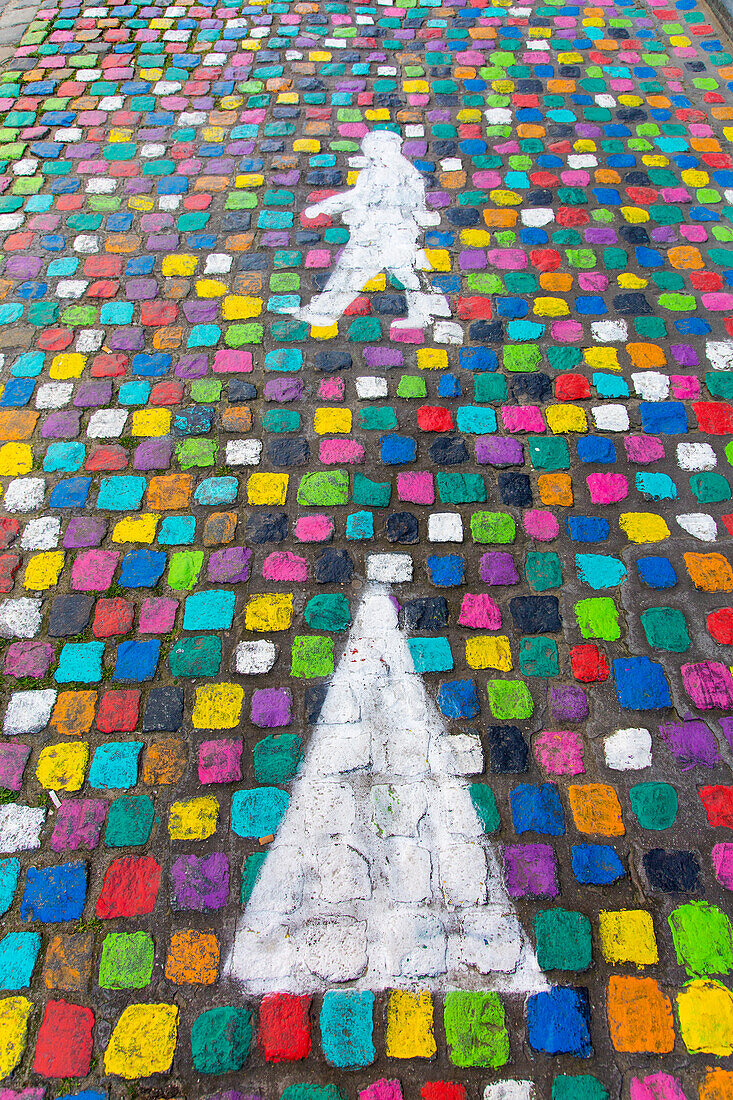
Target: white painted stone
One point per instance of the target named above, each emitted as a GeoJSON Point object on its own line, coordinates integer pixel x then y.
{"type": "Point", "coordinates": [611, 418]}
{"type": "Point", "coordinates": [10, 221]}
{"type": "Point", "coordinates": [341, 750]}
{"type": "Point", "coordinates": [605, 100]}
{"type": "Point", "coordinates": [218, 263]}
{"type": "Point", "coordinates": [398, 808]}
{"type": "Point", "coordinates": [407, 868]}
{"type": "Point", "coordinates": [370, 387]}
{"type": "Point", "coordinates": [340, 707]}
{"type": "Point", "coordinates": [414, 948]}
{"type": "Point", "coordinates": [333, 950]}
{"type": "Point", "coordinates": [243, 452]}
{"type": "Point", "coordinates": [20, 827]}
{"type": "Point", "coordinates": [582, 160]}
{"type": "Point", "coordinates": [448, 332]}
{"type": "Point", "coordinates": [628, 749]}
{"type": "Point", "coordinates": [192, 118]}
{"type": "Point", "coordinates": [389, 568]}
{"type": "Point", "coordinates": [498, 116]}
{"type": "Point", "coordinates": [20, 618]}
{"type": "Point", "coordinates": [463, 874]}
{"type": "Point", "coordinates": [169, 202]}
{"type": "Point", "coordinates": [510, 1090]}
{"type": "Point", "coordinates": [457, 754]}
{"type": "Point", "coordinates": [445, 527]}
{"type": "Point", "coordinates": [488, 938]}
{"type": "Point", "coordinates": [696, 456]}
{"type": "Point", "coordinates": [24, 494]}
{"type": "Point", "coordinates": [89, 339]}
{"type": "Point", "coordinates": [343, 875]}
{"type": "Point", "coordinates": [86, 243]}
{"type": "Point", "coordinates": [720, 354]}
{"type": "Point", "coordinates": [699, 524]}
{"type": "Point", "coordinates": [41, 533]}
{"type": "Point", "coordinates": [608, 332]}
{"type": "Point", "coordinates": [54, 395]}
{"type": "Point", "coordinates": [452, 164]}
{"type": "Point", "coordinates": [537, 217]}
{"type": "Point", "coordinates": [651, 385]}
{"type": "Point", "coordinates": [107, 423]}
{"type": "Point", "coordinates": [254, 658]}
{"type": "Point", "coordinates": [28, 711]}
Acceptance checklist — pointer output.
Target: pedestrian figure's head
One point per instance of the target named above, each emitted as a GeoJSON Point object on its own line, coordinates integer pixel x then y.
{"type": "Point", "coordinates": [382, 147]}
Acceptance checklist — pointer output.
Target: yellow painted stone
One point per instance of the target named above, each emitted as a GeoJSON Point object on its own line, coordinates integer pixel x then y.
{"type": "Point", "coordinates": [438, 258]}
{"type": "Point", "coordinates": [643, 527]}
{"type": "Point", "coordinates": [475, 238]}
{"type": "Point", "coordinates": [603, 358]}
{"type": "Point", "coordinates": [211, 288]}
{"type": "Point", "coordinates": [324, 332]}
{"type": "Point", "coordinates": [151, 422]}
{"type": "Point", "coordinates": [194, 819]}
{"type": "Point", "coordinates": [627, 936]}
{"type": "Point", "coordinates": [566, 418]}
{"type": "Point", "coordinates": [15, 459]}
{"type": "Point", "coordinates": [14, 1015]}
{"type": "Point", "coordinates": [141, 202]}
{"type": "Point", "coordinates": [629, 281]}
{"type": "Point", "coordinates": [273, 611]}
{"type": "Point", "coordinates": [331, 421]}
{"type": "Point", "coordinates": [251, 179]}
{"type": "Point", "coordinates": [377, 284]}
{"type": "Point", "coordinates": [551, 307]}
{"type": "Point", "coordinates": [117, 135]}
{"type": "Point", "coordinates": [136, 528]}
{"type": "Point", "coordinates": [378, 114]}
{"type": "Point", "coordinates": [705, 1010]}
{"type": "Point", "coordinates": [143, 1041]}
{"type": "Point", "coordinates": [267, 488]}
{"type": "Point", "coordinates": [237, 307]}
{"type": "Point", "coordinates": [43, 570]}
{"type": "Point", "coordinates": [502, 197]}
{"type": "Point", "coordinates": [69, 364]}
{"type": "Point", "coordinates": [416, 86]}
{"type": "Point", "coordinates": [306, 145]}
{"type": "Point", "coordinates": [486, 651]}
{"type": "Point", "coordinates": [62, 767]}
{"type": "Point", "coordinates": [694, 178]}
{"type": "Point", "coordinates": [213, 133]}
{"type": "Point", "coordinates": [218, 706]}
{"type": "Point", "coordinates": [634, 215]}
{"type": "Point", "coordinates": [410, 1025]}
{"type": "Point", "coordinates": [288, 97]}
{"type": "Point", "coordinates": [179, 264]}
{"type": "Point", "coordinates": [432, 359]}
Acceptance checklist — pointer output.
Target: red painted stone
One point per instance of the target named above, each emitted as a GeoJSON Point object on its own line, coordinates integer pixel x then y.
{"type": "Point", "coordinates": [113, 616]}
{"type": "Point", "coordinates": [9, 564]}
{"type": "Point", "coordinates": [64, 1044]}
{"type": "Point", "coordinates": [472, 309]}
{"type": "Point", "coordinates": [589, 664]}
{"type": "Point", "coordinates": [9, 531]}
{"type": "Point", "coordinates": [285, 1029]}
{"type": "Point", "coordinates": [107, 457]}
{"type": "Point", "coordinates": [102, 288]}
{"type": "Point", "coordinates": [545, 259]}
{"type": "Point", "coordinates": [103, 266]}
{"type": "Point", "coordinates": [118, 709]}
{"type": "Point", "coordinates": [443, 1090]}
{"type": "Point", "coordinates": [158, 313]}
{"type": "Point", "coordinates": [433, 418]}
{"type": "Point", "coordinates": [167, 393]}
{"type": "Point", "coordinates": [54, 339]}
{"type": "Point", "coordinates": [718, 803]}
{"type": "Point", "coordinates": [714, 417]}
{"type": "Point", "coordinates": [571, 387]}
{"type": "Point", "coordinates": [130, 887]}
{"type": "Point", "coordinates": [720, 625]}
{"type": "Point", "coordinates": [109, 366]}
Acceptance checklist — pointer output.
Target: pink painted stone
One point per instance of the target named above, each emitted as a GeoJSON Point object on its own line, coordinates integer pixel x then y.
{"type": "Point", "coordinates": [331, 389]}
{"type": "Point", "coordinates": [720, 302]}
{"type": "Point", "coordinates": [685, 386]}
{"type": "Point", "coordinates": [318, 258]}
{"type": "Point", "coordinates": [607, 488]}
{"type": "Point", "coordinates": [559, 752]}
{"type": "Point", "coordinates": [78, 824]}
{"type": "Point", "coordinates": [220, 761]}
{"type": "Point", "coordinates": [709, 684]}
{"type": "Point", "coordinates": [523, 418]}
{"type": "Point", "coordinates": [29, 658]}
{"type": "Point", "coordinates": [507, 259]}
{"type": "Point", "coordinates": [416, 488]}
{"type": "Point", "coordinates": [723, 864]}
{"type": "Point", "coordinates": [540, 525]}
{"type": "Point", "coordinates": [335, 451]}
{"type": "Point", "coordinates": [407, 335]}
{"type": "Point", "coordinates": [230, 361]}
{"type": "Point", "coordinates": [283, 565]}
{"type": "Point", "coordinates": [643, 449]}
{"type": "Point", "coordinates": [566, 332]}
{"type": "Point", "coordinates": [93, 570]}
{"type": "Point", "coordinates": [157, 615]}
{"type": "Point", "coordinates": [380, 1090]}
{"type": "Point", "coordinates": [314, 528]}
{"type": "Point", "coordinates": [593, 281]}
{"type": "Point", "coordinates": [480, 611]}
{"type": "Point", "coordinates": [658, 1086]}
{"type": "Point", "coordinates": [13, 759]}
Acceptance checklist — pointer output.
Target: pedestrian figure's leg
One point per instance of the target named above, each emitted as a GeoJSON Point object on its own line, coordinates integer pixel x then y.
{"type": "Point", "coordinates": [417, 314]}
{"type": "Point", "coordinates": [354, 269]}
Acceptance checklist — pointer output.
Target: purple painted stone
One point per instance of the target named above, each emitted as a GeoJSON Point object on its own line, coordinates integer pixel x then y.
{"type": "Point", "coordinates": [685, 355]}
{"type": "Point", "coordinates": [383, 357]}
{"type": "Point", "coordinates": [497, 567]}
{"type": "Point", "coordinates": [230, 565]}
{"type": "Point", "coordinates": [61, 425]}
{"type": "Point", "coordinates": [472, 260]}
{"type": "Point", "coordinates": [13, 759]}
{"type": "Point", "coordinates": [600, 235]}
{"type": "Point", "coordinates": [23, 267]}
{"type": "Point", "coordinates": [691, 742]}
{"type": "Point", "coordinates": [271, 707]}
{"type": "Point", "coordinates": [498, 451]}
{"type": "Point", "coordinates": [162, 242]}
{"type": "Point", "coordinates": [531, 870]}
{"type": "Point", "coordinates": [29, 658]}
{"type": "Point", "coordinates": [83, 531]}
{"type": "Point", "coordinates": [153, 454]}
{"type": "Point", "coordinates": [231, 1094]}
{"type": "Point", "coordinates": [283, 390]}
{"type": "Point", "coordinates": [709, 684]}
{"type": "Point", "coordinates": [415, 148]}
{"type": "Point", "coordinates": [78, 824]}
{"type": "Point", "coordinates": [141, 290]}
{"type": "Point", "coordinates": [568, 703]}
{"type": "Point", "coordinates": [220, 761]}
{"type": "Point", "coordinates": [200, 882]}
{"type": "Point", "coordinates": [127, 339]}
{"type": "Point", "coordinates": [151, 223]}
{"type": "Point", "coordinates": [93, 395]}
{"type": "Point", "coordinates": [201, 312]}
{"type": "Point", "coordinates": [138, 186]}
{"type": "Point", "coordinates": [192, 366]}
{"type": "Point", "coordinates": [665, 234]}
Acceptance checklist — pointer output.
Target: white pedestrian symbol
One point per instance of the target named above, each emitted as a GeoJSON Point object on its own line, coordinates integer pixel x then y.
{"type": "Point", "coordinates": [381, 874]}
{"type": "Point", "coordinates": [386, 214]}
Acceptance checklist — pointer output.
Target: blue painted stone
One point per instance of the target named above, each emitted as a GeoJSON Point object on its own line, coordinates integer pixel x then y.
{"type": "Point", "coordinates": [142, 568]}
{"type": "Point", "coordinates": [458, 699]}
{"type": "Point", "coordinates": [71, 493]}
{"type": "Point", "coordinates": [396, 449]}
{"type": "Point", "coordinates": [137, 661]}
{"type": "Point", "coordinates": [347, 1029]}
{"type": "Point", "coordinates": [446, 571]}
{"type": "Point", "coordinates": [537, 809]}
{"type": "Point", "coordinates": [18, 954]}
{"type": "Point", "coordinates": [114, 765]}
{"type": "Point", "coordinates": [217, 490]}
{"type": "Point", "coordinates": [663, 417]}
{"type": "Point", "coordinates": [596, 864]}
{"type": "Point", "coordinates": [558, 1022]}
{"type": "Point", "coordinates": [587, 528]}
{"type": "Point", "coordinates": [641, 684]}
{"type": "Point", "coordinates": [657, 572]}
{"type": "Point", "coordinates": [54, 894]}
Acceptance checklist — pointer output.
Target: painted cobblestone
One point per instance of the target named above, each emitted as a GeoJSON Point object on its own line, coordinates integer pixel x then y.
{"type": "Point", "coordinates": [198, 489]}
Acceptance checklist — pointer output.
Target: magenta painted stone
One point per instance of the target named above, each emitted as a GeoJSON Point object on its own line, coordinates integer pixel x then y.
{"type": "Point", "coordinates": [568, 703]}
{"type": "Point", "coordinates": [29, 658]}
{"type": "Point", "coordinates": [540, 525]}
{"type": "Point", "coordinates": [230, 565]}
{"type": "Point", "coordinates": [531, 871]}
{"type": "Point", "coordinates": [84, 531]}
{"type": "Point", "coordinates": [607, 488]}
{"type": "Point", "coordinates": [643, 449]}
{"type": "Point", "coordinates": [497, 567]}
{"type": "Point", "coordinates": [30, 1093]}
{"type": "Point", "coordinates": [723, 864]}
{"type": "Point", "coordinates": [157, 615]}
{"type": "Point", "coordinates": [685, 387]}
{"type": "Point", "coordinates": [709, 684]}
{"type": "Point", "coordinates": [559, 752]}
{"type": "Point", "coordinates": [283, 565]}
{"type": "Point", "coordinates": [658, 1086]}
{"type": "Point", "coordinates": [200, 882]}
{"type": "Point", "coordinates": [314, 528]}
{"type": "Point", "coordinates": [231, 361]}
{"type": "Point", "coordinates": [382, 1090]}
{"type": "Point", "coordinates": [335, 451]}
{"type": "Point", "coordinates": [78, 824]}
{"type": "Point", "coordinates": [13, 759]}
{"type": "Point", "coordinates": [271, 707]}
{"type": "Point", "coordinates": [479, 611]}
{"type": "Point", "coordinates": [416, 488]}
{"type": "Point", "coordinates": [691, 742]}
{"type": "Point", "coordinates": [522, 418]}
{"type": "Point", "coordinates": [93, 570]}
{"type": "Point", "coordinates": [499, 451]}
{"type": "Point", "coordinates": [220, 761]}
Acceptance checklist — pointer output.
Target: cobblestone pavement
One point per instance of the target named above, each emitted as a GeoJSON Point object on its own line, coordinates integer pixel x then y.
{"type": "Point", "coordinates": [367, 717]}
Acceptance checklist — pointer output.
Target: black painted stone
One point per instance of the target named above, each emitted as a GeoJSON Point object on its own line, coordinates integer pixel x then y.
{"type": "Point", "coordinates": [672, 872]}
{"type": "Point", "coordinates": [239, 390]}
{"type": "Point", "coordinates": [536, 614]}
{"type": "Point", "coordinates": [69, 615]}
{"type": "Point", "coordinates": [330, 361]}
{"type": "Point", "coordinates": [426, 613]}
{"type": "Point", "coordinates": [449, 451]}
{"type": "Point", "coordinates": [333, 567]}
{"type": "Point", "coordinates": [402, 527]}
{"type": "Point", "coordinates": [163, 710]}
{"type": "Point", "coordinates": [534, 387]}
{"type": "Point", "coordinates": [267, 527]}
{"type": "Point", "coordinates": [288, 452]}
{"type": "Point", "coordinates": [508, 750]}
{"type": "Point", "coordinates": [515, 489]}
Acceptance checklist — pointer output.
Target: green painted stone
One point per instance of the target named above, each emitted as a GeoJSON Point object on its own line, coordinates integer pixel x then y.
{"type": "Point", "coordinates": [277, 757]}
{"type": "Point", "coordinates": [564, 358]}
{"type": "Point", "coordinates": [484, 803]}
{"type": "Point", "coordinates": [377, 418]}
{"type": "Point", "coordinates": [238, 335]}
{"type": "Point", "coordinates": [461, 488]}
{"type": "Point", "coordinates": [666, 628]}
{"type": "Point", "coordinates": [538, 657]}
{"type": "Point", "coordinates": [521, 357]}
{"type": "Point", "coordinates": [489, 387]}
{"type": "Point", "coordinates": [312, 656]}
{"type": "Point", "coordinates": [710, 488]}
{"type": "Point", "coordinates": [196, 657]}
{"type": "Point", "coordinates": [509, 699]}
{"type": "Point", "coordinates": [373, 494]}
{"type": "Point", "coordinates": [703, 939]}
{"type": "Point", "coordinates": [497, 527]}
{"type": "Point", "coordinates": [307, 1091]}
{"type": "Point", "coordinates": [126, 961]}
{"type": "Point", "coordinates": [548, 454]}
{"type": "Point", "coordinates": [324, 489]}
{"type": "Point", "coordinates": [250, 873]}
{"type": "Point", "coordinates": [129, 821]}
{"type": "Point", "coordinates": [655, 805]}
{"type": "Point", "coordinates": [580, 1087]}
{"type": "Point", "coordinates": [563, 940]}
{"type": "Point", "coordinates": [328, 612]}
{"type": "Point", "coordinates": [184, 569]}
{"type": "Point", "coordinates": [193, 453]}
{"type": "Point", "coordinates": [475, 1029]}
{"type": "Point", "coordinates": [543, 570]}
{"type": "Point", "coordinates": [220, 1039]}
{"type": "Point", "coordinates": [364, 330]}
{"type": "Point", "coordinates": [598, 618]}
